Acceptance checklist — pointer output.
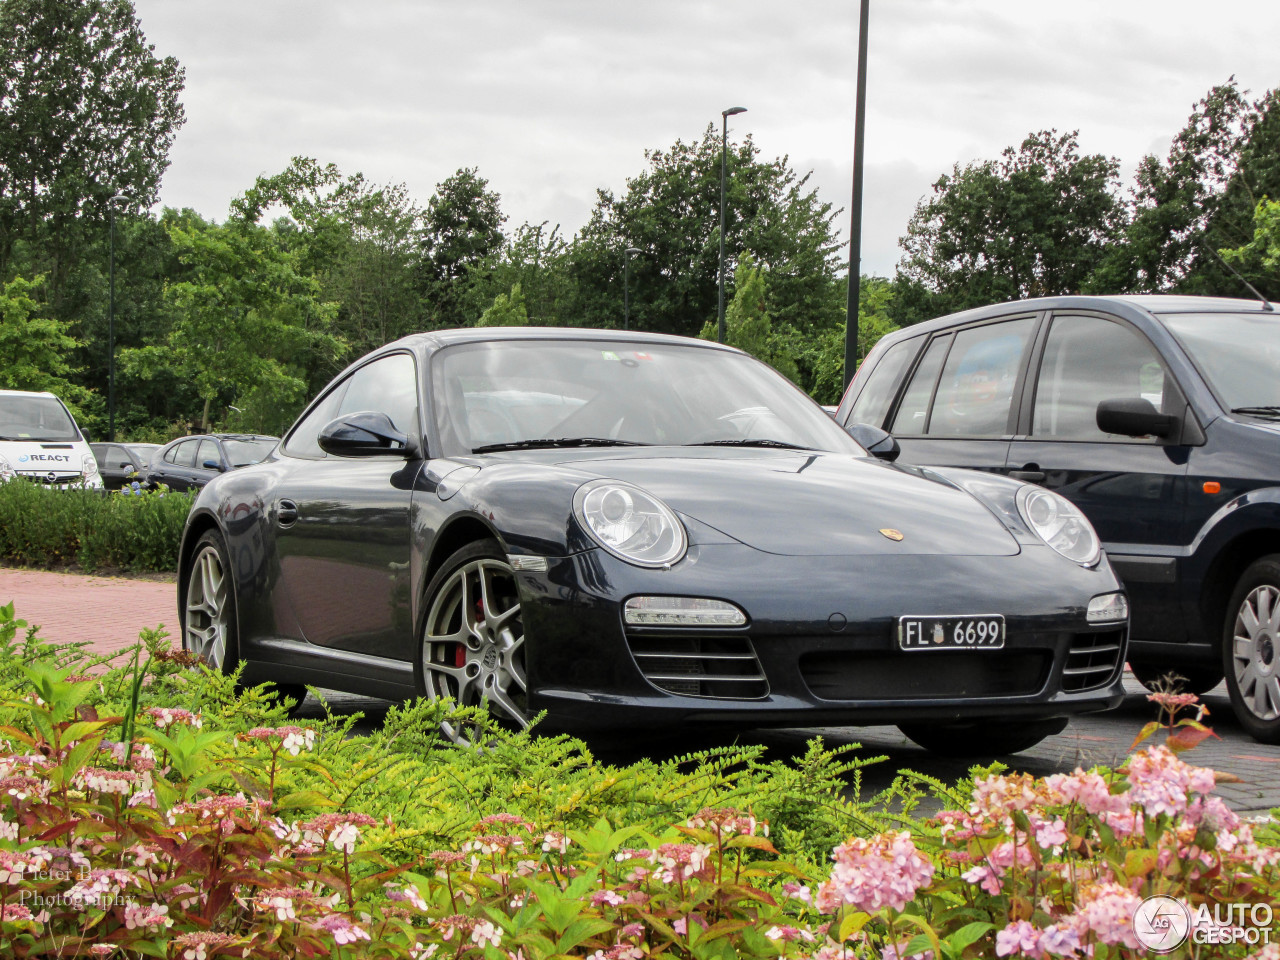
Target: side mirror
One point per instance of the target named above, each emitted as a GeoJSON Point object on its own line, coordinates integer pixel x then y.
{"type": "Point", "coordinates": [1136, 417]}
{"type": "Point", "coordinates": [366, 434]}
{"type": "Point", "coordinates": [879, 444]}
{"type": "Point", "coordinates": [212, 465]}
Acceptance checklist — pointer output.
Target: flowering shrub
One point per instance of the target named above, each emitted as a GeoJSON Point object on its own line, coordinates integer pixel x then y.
{"type": "Point", "coordinates": [131, 827]}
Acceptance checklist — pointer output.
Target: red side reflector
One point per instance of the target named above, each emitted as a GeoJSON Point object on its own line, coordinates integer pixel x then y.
{"type": "Point", "coordinates": [1212, 486]}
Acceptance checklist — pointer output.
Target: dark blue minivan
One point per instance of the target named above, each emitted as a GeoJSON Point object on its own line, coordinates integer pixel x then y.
{"type": "Point", "coordinates": [1159, 416]}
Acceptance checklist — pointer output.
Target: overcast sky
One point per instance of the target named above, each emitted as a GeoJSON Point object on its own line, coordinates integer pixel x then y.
{"type": "Point", "coordinates": [552, 99]}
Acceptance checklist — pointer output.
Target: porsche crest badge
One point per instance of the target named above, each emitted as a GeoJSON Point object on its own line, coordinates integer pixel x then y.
{"type": "Point", "coordinates": [891, 533]}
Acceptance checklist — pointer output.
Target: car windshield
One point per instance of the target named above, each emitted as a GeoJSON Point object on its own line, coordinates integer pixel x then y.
{"type": "Point", "coordinates": [245, 452]}
{"type": "Point", "coordinates": [530, 393]}
{"type": "Point", "coordinates": [1238, 353]}
{"type": "Point", "coordinates": [35, 418]}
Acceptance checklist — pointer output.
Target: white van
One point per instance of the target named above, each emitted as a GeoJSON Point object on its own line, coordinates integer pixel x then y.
{"type": "Point", "coordinates": [39, 440]}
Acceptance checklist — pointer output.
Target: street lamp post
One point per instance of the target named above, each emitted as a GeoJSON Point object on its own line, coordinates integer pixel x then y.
{"type": "Point", "coordinates": [626, 286]}
{"type": "Point", "coordinates": [111, 315]}
{"type": "Point", "coordinates": [724, 166]}
{"type": "Point", "coordinates": [855, 213]}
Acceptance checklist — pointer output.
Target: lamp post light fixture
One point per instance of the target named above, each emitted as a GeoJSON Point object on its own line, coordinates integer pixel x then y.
{"type": "Point", "coordinates": [724, 166]}
{"type": "Point", "coordinates": [111, 315]}
{"type": "Point", "coordinates": [626, 286]}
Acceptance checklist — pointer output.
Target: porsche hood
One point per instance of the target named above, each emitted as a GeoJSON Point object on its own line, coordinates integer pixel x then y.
{"type": "Point", "coordinates": [814, 504]}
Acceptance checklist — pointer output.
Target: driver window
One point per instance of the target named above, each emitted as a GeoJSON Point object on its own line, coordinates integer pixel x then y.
{"type": "Point", "coordinates": [1089, 359]}
{"type": "Point", "coordinates": [388, 385]}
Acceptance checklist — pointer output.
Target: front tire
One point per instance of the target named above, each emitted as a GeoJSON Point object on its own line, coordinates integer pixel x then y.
{"type": "Point", "coordinates": [981, 738]}
{"type": "Point", "coordinates": [1251, 649]}
{"type": "Point", "coordinates": [472, 648]}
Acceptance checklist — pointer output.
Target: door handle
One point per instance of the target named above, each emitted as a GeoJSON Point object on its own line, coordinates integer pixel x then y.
{"type": "Point", "coordinates": [1029, 473]}
{"type": "Point", "coordinates": [286, 513]}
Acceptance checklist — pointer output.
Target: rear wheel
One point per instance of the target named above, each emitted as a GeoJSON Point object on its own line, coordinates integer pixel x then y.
{"type": "Point", "coordinates": [210, 629]}
{"type": "Point", "coordinates": [981, 738]}
{"type": "Point", "coordinates": [1251, 649]}
{"type": "Point", "coordinates": [1197, 678]}
{"type": "Point", "coordinates": [472, 649]}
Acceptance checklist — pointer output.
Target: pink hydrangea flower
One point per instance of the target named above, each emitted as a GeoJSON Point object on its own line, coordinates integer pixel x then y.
{"type": "Point", "coordinates": [885, 871]}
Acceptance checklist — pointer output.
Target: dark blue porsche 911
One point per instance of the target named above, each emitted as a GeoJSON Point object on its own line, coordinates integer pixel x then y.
{"type": "Point", "coordinates": [634, 529]}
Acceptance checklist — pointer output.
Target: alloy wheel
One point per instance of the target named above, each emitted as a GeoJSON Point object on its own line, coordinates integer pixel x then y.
{"type": "Point", "coordinates": [208, 609]}
{"type": "Point", "coordinates": [1256, 651]}
{"type": "Point", "coordinates": [473, 645]}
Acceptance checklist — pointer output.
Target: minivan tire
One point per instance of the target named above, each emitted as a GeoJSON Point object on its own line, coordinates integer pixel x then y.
{"type": "Point", "coordinates": [1251, 649]}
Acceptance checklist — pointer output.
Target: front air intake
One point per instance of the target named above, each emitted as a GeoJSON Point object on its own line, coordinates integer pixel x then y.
{"type": "Point", "coordinates": [721, 668]}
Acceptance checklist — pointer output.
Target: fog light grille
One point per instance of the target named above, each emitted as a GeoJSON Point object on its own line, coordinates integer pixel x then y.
{"type": "Point", "coordinates": [720, 668]}
{"type": "Point", "coordinates": [1093, 660]}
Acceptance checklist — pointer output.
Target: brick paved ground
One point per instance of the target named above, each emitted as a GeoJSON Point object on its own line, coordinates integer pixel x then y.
{"type": "Point", "coordinates": [109, 612]}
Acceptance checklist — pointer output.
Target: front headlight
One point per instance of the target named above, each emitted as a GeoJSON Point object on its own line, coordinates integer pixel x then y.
{"type": "Point", "coordinates": [89, 465]}
{"type": "Point", "coordinates": [629, 523]}
{"type": "Point", "coordinates": [1058, 522]}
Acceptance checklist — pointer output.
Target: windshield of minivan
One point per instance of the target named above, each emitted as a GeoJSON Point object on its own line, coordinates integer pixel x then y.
{"type": "Point", "coordinates": [35, 418]}
{"type": "Point", "coordinates": [1238, 353]}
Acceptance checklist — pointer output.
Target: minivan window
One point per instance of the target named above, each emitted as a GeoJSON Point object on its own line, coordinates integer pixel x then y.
{"type": "Point", "coordinates": [1087, 360]}
{"type": "Point", "coordinates": [1238, 353]}
{"type": "Point", "coordinates": [976, 389]}
{"type": "Point", "coordinates": [913, 412]}
{"type": "Point", "coordinates": [35, 418]}
{"type": "Point", "coordinates": [873, 402]}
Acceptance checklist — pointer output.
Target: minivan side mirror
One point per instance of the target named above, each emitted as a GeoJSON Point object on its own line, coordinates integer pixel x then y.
{"type": "Point", "coordinates": [879, 443]}
{"type": "Point", "coordinates": [1136, 417]}
{"type": "Point", "coordinates": [366, 434]}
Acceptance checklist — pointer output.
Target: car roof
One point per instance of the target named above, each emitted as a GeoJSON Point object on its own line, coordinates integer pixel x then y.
{"type": "Point", "coordinates": [435, 339]}
{"type": "Point", "coordinates": [28, 393]}
{"type": "Point", "coordinates": [1141, 304]}
{"type": "Point", "coordinates": [222, 436]}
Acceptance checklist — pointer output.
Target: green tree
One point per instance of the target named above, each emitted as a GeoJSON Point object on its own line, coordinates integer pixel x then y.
{"type": "Point", "coordinates": [360, 241]}
{"type": "Point", "coordinates": [461, 234]}
{"type": "Point", "coordinates": [821, 357]}
{"type": "Point", "coordinates": [1034, 223]}
{"type": "Point", "coordinates": [506, 311]}
{"type": "Point", "coordinates": [35, 350]}
{"type": "Point", "coordinates": [747, 324]}
{"type": "Point", "coordinates": [246, 324]}
{"type": "Point", "coordinates": [671, 212]}
{"type": "Point", "coordinates": [87, 112]}
{"type": "Point", "coordinates": [1261, 255]}
{"type": "Point", "coordinates": [1203, 194]}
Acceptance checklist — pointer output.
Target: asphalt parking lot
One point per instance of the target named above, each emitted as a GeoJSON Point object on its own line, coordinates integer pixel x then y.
{"type": "Point", "coordinates": [109, 612]}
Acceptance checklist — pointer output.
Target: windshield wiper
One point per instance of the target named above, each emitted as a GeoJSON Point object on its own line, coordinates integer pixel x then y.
{"type": "Point", "coordinates": [747, 442]}
{"type": "Point", "coordinates": [1272, 411]}
{"type": "Point", "coordinates": [562, 442]}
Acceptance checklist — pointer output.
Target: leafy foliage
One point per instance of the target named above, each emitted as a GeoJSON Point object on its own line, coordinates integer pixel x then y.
{"type": "Point", "coordinates": [51, 528]}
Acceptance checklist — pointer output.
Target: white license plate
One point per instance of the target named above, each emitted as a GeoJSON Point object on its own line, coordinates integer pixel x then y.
{"type": "Point", "coordinates": [951, 633]}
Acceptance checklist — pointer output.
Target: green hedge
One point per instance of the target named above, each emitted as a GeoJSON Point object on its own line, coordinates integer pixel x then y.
{"type": "Point", "coordinates": [42, 527]}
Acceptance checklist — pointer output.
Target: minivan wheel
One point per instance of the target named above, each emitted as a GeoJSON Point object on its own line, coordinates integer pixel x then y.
{"type": "Point", "coordinates": [981, 738]}
{"type": "Point", "coordinates": [1199, 678]}
{"type": "Point", "coordinates": [1251, 649]}
{"type": "Point", "coordinates": [472, 648]}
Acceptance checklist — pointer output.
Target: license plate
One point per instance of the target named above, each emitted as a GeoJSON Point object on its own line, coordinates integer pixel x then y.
{"type": "Point", "coordinates": [951, 633]}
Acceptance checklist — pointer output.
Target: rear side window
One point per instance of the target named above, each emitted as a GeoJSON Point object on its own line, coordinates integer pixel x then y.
{"type": "Point", "coordinates": [913, 412]}
{"type": "Point", "coordinates": [873, 402]}
{"type": "Point", "coordinates": [976, 389]}
{"type": "Point", "coordinates": [1087, 360]}
{"type": "Point", "coordinates": [184, 454]}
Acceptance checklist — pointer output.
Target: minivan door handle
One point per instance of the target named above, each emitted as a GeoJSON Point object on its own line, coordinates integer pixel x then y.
{"type": "Point", "coordinates": [1030, 472]}
{"type": "Point", "coordinates": [286, 513]}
